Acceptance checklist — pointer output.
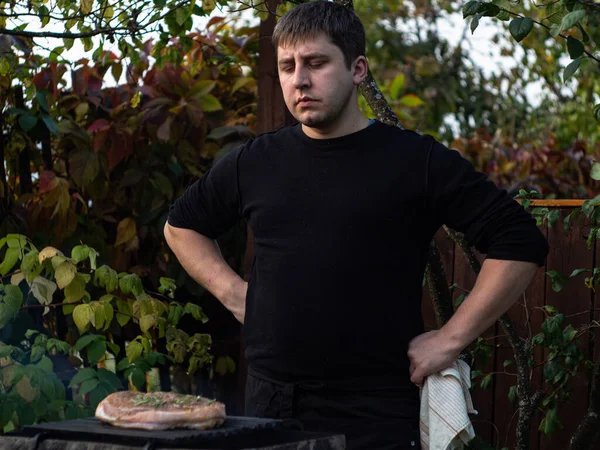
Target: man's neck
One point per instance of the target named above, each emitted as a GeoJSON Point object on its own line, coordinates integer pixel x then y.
{"type": "Point", "coordinates": [342, 127]}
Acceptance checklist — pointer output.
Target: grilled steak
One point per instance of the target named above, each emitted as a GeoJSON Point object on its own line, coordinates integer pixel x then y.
{"type": "Point", "coordinates": [160, 411]}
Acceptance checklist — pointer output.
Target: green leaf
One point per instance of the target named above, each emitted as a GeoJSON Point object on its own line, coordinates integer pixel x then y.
{"type": "Point", "coordinates": [210, 103]}
{"type": "Point", "coordinates": [86, 340]}
{"type": "Point", "coordinates": [504, 16]}
{"type": "Point", "coordinates": [6, 315]}
{"type": "Point", "coordinates": [163, 184]}
{"type": "Point", "coordinates": [107, 278]}
{"type": "Point", "coordinates": [167, 287]}
{"type": "Point", "coordinates": [568, 21]}
{"type": "Point", "coordinates": [488, 10]}
{"type": "Point", "coordinates": [397, 86]}
{"type": "Point", "coordinates": [175, 313]}
{"type": "Point", "coordinates": [485, 381]}
{"type": "Point", "coordinates": [109, 313]}
{"type": "Point", "coordinates": [29, 261]}
{"type": "Point", "coordinates": [147, 322]}
{"type": "Point", "coordinates": [134, 351]}
{"type": "Point", "coordinates": [110, 378]}
{"type": "Point", "coordinates": [114, 348]}
{"type": "Point", "coordinates": [93, 255]}
{"type": "Point", "coordinates": [122, 365]}
{"type": "Point", "coordinates": [84, 167]}
{"type": "Point", "coordinates": [558, 280]}
{"type": "Point", "coordinates": [475, 23]}
{"type": "Point", "coordinates": [201, 88]}
{"type": "Point", "coordinates": [65, 273]}
{"type": "Point", "coordinates": [30, 333]}
{"type": "Point", "coordinates": [411, 100]}
{"type": "Point", "coordinates": [512, 395]}
{"type": "Point", "coordinates": [520, 27]}
{"type": "Point", "coordinates": [76, 289]}
{"type": "Point", "coordinates": [80, 253]}
{"type": "Point", "coordinates": [82, 375]}
{"type": "Point", "coordinates": [571, 69]}
{"type": "Point", "coordinates": [575, 47]}
{"type": "Point", "coordinates": [51, 125]}
{"type": "Point", "coordinates": [98, 318]}
{"type": "Point", "coordinates": [82, 316]}
{"type": "Point", "coordinates": [596, 112]}
{"type": "Point", "coordinates": [131, 283]}
{"type": "Point", "coordinates": [27, 121]}
{"type": "Point", "coordinates": [88, 386]}
{"type": "Point", "coordinates": [550, 422]}
{"type": "Point", "coordinates": [470, 9]}
{"type": "Point", "coordinates": [124, 308]}
{"type": "Point", "coordinates": [45, 363]}
{"type": "Point", "coordinates": [225, 365]}
{"type": "Point", "coordinates": [95, 351]}
{"type": "Point", "coordinates": [138, 378]}
{"type": "Point", "coordinates": [36, 353]}
{"type": "Point", "coordinates": [86, 6]}
{"type": "Point", "coordinates": [10, 259]}
{"type": "Point", "coordinates": [578, 272]}
{"type": "Point", "coordinates": [6, 351]}
{"type": "Point", "coordinates": [181, 14]}
{"type": "Point", "coordinates": [42, 97]}
{"type": "Point", "coordinates": [196, 312]}
{"type": "Point", "coordinates": [13, 298]}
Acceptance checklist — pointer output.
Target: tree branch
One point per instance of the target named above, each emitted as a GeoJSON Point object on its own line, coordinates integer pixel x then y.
{"type": "Point", "coordinates": [548, 28]}
{"type": "Point", "coordinates": [438, 286]}
{"type": "Point", "coordinates": [69, 35]}
{"type": "Point", "coordinates": [588, 431]}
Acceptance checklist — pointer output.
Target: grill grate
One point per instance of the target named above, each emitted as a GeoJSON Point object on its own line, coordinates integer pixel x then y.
{"type": "Point", "coordinates": [91, 429]}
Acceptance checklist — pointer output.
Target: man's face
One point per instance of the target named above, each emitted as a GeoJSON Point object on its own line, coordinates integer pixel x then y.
{"type": "Point", "coordinates": [317, 85]}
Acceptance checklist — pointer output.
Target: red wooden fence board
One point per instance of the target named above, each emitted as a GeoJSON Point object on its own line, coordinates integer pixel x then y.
{"type": "Point", "coordinates": [464, 278]}
{"type": "Point", "coordinates": [505, 414]}
{"type": "Point", "coordinates": [568, 252]}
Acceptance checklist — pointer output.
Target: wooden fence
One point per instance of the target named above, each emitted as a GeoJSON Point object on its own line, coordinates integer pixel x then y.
{"type": "Point", "coordinates": [568, 251]}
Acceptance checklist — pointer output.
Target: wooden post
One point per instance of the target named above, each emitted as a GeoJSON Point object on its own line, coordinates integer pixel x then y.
{"type": "Point", "coordinates": [272, 114]}
{"type": "Point", "coordinates": [25, 183]}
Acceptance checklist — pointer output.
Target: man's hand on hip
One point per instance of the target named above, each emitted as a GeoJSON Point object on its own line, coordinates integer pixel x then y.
{"type": "Point", "coordinates": [428, 353]}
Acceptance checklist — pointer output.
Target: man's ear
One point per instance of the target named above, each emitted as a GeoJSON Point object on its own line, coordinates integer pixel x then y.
{"type": "Point", "coordinates": [360, 69]}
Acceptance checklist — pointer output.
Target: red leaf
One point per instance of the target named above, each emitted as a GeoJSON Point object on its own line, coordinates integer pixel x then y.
{"type": "Point", "coordinates": [94, 81]}
{"type": "Point", "coordinates": [48, 181]}
{"type": "Point", "coordinates": [41, 80]}
{"type": "Point", "coordinates": [99, 140]}
{"type": "Point", "coordinates": [80, 78]}
{"type": "Point", "coordinates": [214, 20]}
{"type": "Point", "coordinates": [121, 147]}
{"type": "Point", "coordinates": [99, 125]}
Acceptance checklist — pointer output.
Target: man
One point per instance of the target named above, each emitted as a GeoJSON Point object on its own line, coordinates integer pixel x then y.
{"type": "Point", "coordinates": [342, 211]}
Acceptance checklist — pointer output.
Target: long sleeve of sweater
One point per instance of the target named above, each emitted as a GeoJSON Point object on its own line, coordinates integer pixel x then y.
{"type": "Point", "coordinates": [467, 201]}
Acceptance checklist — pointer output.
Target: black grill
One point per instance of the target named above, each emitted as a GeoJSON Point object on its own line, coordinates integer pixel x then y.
{"type": "Point", "coordinates": [235, 433]}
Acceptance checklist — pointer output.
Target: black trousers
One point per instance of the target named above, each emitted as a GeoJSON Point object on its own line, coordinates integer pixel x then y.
{"type": "Point", "coordinates": [371, 417]}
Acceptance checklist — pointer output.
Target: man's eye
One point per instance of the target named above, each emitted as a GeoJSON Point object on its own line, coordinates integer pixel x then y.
{"type": "Point", "coordinates": [316, 65]}
{"type": "Point", "coordinates": [287, 69]}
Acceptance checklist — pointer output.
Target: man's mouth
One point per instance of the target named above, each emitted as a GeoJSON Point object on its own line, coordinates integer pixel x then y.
{"type": "Point", "coordinates": [305, 101]}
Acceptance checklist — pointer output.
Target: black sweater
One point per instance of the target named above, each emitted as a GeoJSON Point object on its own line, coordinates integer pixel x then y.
{"type": "Point", "coordinates": [341, 232]}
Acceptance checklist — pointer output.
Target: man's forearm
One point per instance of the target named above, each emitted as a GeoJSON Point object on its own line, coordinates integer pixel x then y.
{"type": "Point", "coordinates": [498, 286]}
{"type": "Point", "coordinates": [202, 260]}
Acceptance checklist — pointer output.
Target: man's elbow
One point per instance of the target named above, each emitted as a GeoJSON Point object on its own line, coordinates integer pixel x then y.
{"type": "Point", "coordinates": [169, 234]}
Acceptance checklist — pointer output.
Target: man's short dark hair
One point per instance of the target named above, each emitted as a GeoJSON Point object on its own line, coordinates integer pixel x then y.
{"type": "Point", "coordinates": [307, 20]}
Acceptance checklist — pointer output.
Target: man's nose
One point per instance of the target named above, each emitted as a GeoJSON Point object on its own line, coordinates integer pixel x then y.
{"type": "Point", "coordinates": [301, 78]}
